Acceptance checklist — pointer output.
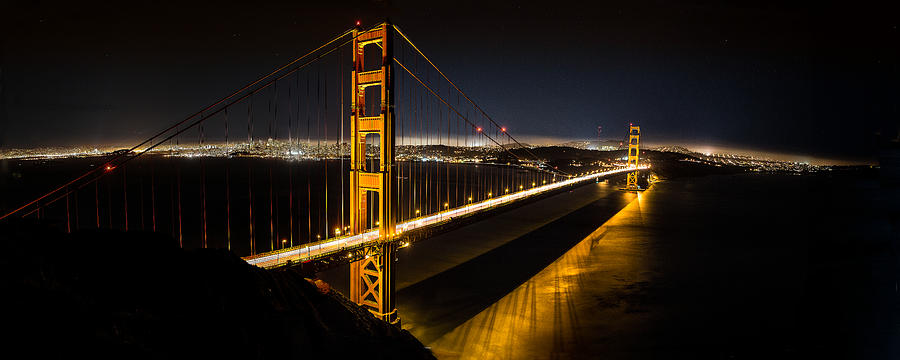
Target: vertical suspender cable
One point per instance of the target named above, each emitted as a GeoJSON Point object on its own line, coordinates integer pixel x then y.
{"type": "Point", "coordinates": [97, 201]}
{"type": "Point", "coordinates": [250, 209]}
{"type": "Point", "coordinates": [292, 147]}
{"type": "Point", "coordinates": [141, 184]}
{"type": "Point", "coordinates": [227, 190]}
{"type": "Point", "coordinates": [340, 88]}
{"type": "Point", "coordinates": [309, 170]}
{"type": "Point", "coordinates": [325, 154]}
{"type": "Point", "coordinates": [76, 211]}
{"type": "Point", "coordinates": [125, 196]}
{"type": "Point", "coordinates": [271, 213]}
{"type": "Point", "coordinates": [178, 183]}
{"type": "Point", "coordinates": [227, 207]}
{"type": "Point", "coordinates": [68, 217]}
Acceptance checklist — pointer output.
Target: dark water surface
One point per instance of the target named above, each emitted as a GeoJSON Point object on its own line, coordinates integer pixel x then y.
{"type": "Point", "coordinates": [743, 266]}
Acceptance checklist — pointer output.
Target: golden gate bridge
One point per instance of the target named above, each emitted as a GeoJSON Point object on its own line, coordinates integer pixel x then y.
{"type": "Point", "coordinates": [346, 154]}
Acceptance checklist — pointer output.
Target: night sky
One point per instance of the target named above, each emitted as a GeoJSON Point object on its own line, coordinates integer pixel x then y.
{"type": "Point", "coordinates": [819, 81]}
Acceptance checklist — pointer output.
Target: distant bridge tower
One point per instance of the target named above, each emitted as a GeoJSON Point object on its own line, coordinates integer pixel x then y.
{"type": "Point", "coordinates": [372, 278]}
{"type": "Point", "coordinates": [634, 143]}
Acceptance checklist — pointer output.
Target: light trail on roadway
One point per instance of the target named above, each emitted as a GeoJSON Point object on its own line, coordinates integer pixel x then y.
{"type": "Point", "coordinates": [326, 247]}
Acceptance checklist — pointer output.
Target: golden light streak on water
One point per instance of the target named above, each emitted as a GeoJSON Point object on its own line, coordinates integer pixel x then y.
{"type": "Point", "coordinates": [550, 315]}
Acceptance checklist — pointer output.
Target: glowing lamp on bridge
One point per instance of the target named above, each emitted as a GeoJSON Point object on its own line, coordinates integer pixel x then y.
{"type": "Point", "coordinates": [446, 205]}
{"type": "Point", "coordinates": [521, 187]}
{"type": "Point", "coordinates": [490, 194]}
{"type": "Point", "coordinates": [503, 129]}
{"type": "Point", "coordinates": [417, 211]}
{"type": "Point", "coordinates": [110, 167]}
{"type": "Point", "coordinates": [337, 231]}
{"type": "Point", "coordinates": [358, 23]}
{"type": "Point", "coordinates": [478, 129]}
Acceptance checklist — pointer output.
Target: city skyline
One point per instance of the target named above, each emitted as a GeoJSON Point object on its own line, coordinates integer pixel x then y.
{"type": "Point", "coordinates": [783, 80]}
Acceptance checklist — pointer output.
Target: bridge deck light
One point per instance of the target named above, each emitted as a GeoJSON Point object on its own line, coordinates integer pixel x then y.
{"type": "Point", "coordinates": [446, 205]}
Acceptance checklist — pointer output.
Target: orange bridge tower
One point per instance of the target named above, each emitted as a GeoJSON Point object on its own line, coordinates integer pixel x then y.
{"type": "Point", "coordinates": [372, 277]}
{"type": "Point", "coordinates": [634, 143]}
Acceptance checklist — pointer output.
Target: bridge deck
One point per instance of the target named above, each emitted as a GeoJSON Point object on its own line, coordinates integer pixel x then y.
{"type": "Point", "coordinates": [328, 247]}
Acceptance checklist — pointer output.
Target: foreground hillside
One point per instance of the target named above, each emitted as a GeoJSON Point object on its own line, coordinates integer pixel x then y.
{"type": "Point", "coordinates": [133, 295]}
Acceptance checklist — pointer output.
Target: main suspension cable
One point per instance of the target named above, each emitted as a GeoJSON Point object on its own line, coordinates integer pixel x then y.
{"type": "Point", "coordinates": [466, 96]}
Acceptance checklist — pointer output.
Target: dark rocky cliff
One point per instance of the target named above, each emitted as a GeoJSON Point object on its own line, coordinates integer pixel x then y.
{"type": "Point", "coordinates": [137, 295]}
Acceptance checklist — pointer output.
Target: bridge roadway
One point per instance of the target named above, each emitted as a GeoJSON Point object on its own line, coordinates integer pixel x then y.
{"type": "Point", "coordinates": [323, 248]}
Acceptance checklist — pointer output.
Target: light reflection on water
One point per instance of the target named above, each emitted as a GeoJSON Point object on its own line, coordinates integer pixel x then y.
{"type": "Point", "coordinates": [550, 315]}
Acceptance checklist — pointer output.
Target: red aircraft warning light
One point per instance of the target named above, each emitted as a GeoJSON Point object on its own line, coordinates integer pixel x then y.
{"type": "Point", "coordinates": [358, 23]}
{"type": "Point", "coordinates": [109, 167]}
{"type": "Point", "coordinates": [478, 129]}
{"type": "Point", "coordinates": [503, 129]}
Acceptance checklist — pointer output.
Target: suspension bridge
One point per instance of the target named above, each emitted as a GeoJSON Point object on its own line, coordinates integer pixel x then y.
{"type": "Point", "coordinates": [346, 154]}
